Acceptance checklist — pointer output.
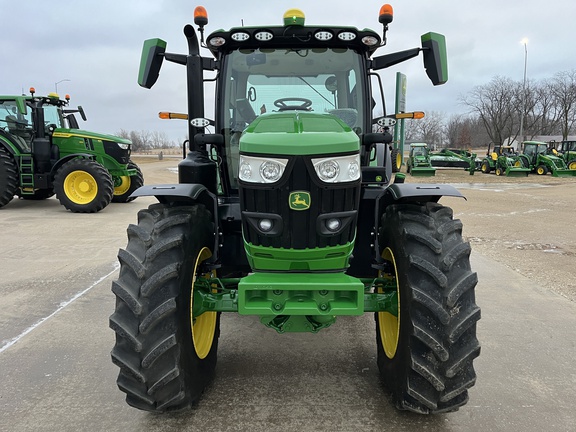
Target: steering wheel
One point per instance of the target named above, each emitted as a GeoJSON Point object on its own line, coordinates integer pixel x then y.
{"type": "Point", "coordinates": [282, 106]}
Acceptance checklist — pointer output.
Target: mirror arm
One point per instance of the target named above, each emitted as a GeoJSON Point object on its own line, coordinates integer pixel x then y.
{"type": "Point", "coordinates": [388, 60]}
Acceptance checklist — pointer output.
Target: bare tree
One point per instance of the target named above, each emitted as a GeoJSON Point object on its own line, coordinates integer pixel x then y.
{"type": "Point", "coordinates": [544, 117]}
{"type": "Point", "coordinates": [430, 129]}
{"type": "Point", "coordinates": [494, 104]}
{"type": "Point", "coordinates": [564, 91]}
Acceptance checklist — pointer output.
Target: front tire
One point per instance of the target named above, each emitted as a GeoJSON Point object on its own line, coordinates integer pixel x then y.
{"type": "Point", "coordinates": [396, 158]}
{"type": "Point", "coordinates": [485, 167]}
{"type": "Point", "coordinates": [166, 355]}
{"type": "Point", "coordinates": [83, 186]}
{"type": "Point", "coordinates": [541, 170]}
{"type": "Point", "coordinates": [425, 354]}
{"type": "Point", "coordinates": [125, 185]}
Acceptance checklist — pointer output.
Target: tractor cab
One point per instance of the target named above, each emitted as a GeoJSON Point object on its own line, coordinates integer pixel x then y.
{"type": "Point", "coordinates": [532, 149]}
{"type": "Point", "coordinates": [27, 117]}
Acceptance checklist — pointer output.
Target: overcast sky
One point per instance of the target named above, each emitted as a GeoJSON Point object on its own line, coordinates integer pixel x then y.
{"type": "Point", "coordinates": [96, 45]}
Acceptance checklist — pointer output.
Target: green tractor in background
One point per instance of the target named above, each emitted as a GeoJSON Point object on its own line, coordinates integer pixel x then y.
{"type": "Point", "coordinates": [43, 152]}
{"type": "Point", "coordinates": [504, 162]}
{"type": "Point", "coordinates": [565, 150]}
{"type": "Point", "coordinates": [419, 161]}
{"type": "Point", "coordinates": [280, 213]}
{"type": "Point", "coordinates": [535, 157]}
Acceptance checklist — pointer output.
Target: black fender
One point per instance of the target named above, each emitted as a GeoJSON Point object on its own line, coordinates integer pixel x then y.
{"type": "Point", "coordinates": [417, 193]}
{"type": "Point", "coordinates": [185, 193]}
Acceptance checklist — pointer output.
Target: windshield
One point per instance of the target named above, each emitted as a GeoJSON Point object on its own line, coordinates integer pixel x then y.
{"type": "Point", "coordinates": [322, 80]}
{"type": "Point", "coordinates": [53, 115]}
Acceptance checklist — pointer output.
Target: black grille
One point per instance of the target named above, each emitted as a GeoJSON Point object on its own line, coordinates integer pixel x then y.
{"type": "Point", "coordinates": [111, 148]}
{"type": "Point", "coordinates": [299, 228]}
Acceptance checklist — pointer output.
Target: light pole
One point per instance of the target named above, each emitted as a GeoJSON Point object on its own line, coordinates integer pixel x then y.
{"type": "Point", "coordinates": [56, 84]}
{"type": "Point", "coordinates": [525, 43]}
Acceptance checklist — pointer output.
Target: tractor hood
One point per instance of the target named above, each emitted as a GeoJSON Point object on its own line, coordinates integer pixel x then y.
{"type": "Point", "coordinates": [69, 133]}
{"type": "Point", "coordinates": [298, 133]}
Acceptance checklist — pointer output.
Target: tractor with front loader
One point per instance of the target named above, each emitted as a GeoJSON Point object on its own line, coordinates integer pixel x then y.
{"type": "Point", "coordinates": [536, 157]}
{"type": "Point", "coordinates": [43, 152]}
{"type": "Point", "coordinates": [504, 162]}
{"type": "Point", "coordinates": [565, 150]}
{"type": "Point", "coordinates": [418, 163]}
{"type": "Point", "coordinates": [280, 213]}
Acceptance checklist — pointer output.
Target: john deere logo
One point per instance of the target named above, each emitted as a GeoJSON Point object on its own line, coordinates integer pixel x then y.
{"type": "Point", "coordinates": [299, 200]}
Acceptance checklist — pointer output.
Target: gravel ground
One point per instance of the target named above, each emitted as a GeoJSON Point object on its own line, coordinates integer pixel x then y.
{"type": "Point", "coordinates": [526, 223]}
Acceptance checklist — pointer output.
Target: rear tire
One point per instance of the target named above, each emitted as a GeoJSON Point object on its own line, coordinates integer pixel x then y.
{"type": "Point", "coordinates": [83, 186]}
{"type": "Point", "coordinates": [8, 177]}
{"type": "Point", "coordinates": [165, 361]}
{"type": "Point", "coordinates": [425, 356]}
{"type": "Point", "coordinates": [125, 185]}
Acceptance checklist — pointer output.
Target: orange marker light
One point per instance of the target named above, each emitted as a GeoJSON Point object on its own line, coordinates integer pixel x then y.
{"type": "Point", "coordinates": [32, 90]}
{"type": "Point", "coordinates": [67, 97]}
{"type": "Point", "coordinates": [165, 115]}
{"type": "Point", "coordinates": [409, 115]}
{"type": "Point", "coordinates": [200, 16]}
{"type": "Point", "coordinates": [386, 14]}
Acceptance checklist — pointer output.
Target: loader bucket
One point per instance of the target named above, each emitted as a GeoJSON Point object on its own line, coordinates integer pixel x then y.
{"type": "Point", "coordinates": [423, 172]}
{"type": "Point", "coordinates": [517, 172]}
{"type": "Point", "coordinates": [564, 173]}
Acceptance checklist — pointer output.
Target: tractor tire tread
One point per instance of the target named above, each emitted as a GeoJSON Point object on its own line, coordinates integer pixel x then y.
{"type": "Point", "coordinates": [432, 369]}
{"type": "Point", "coordinates": [8, 177]}
{"type": "Point", "coordinates": [157, 374]}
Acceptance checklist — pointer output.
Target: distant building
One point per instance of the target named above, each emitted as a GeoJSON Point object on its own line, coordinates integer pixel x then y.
{"type": "Point", "coordinates": [544, 138]}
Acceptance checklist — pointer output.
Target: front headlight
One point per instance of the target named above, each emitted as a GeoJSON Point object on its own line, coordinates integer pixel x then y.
{"type": "Point", "coordinates": [123, 146]}
{"type": "Point", "coordinates": [338, 169]}
{"type": "Point", "coordinates": [261, 170]}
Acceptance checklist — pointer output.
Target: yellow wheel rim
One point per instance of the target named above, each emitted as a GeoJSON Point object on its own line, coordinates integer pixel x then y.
{"type": "Point", "coordinates": [124, 185]}
{"type": "Point", "coordinates": [80, 187]}
{"type": "Point", "coordinates": [204, 326]}
{"type": "Point", "coordinates": [572, 165]}
{"type": "Point", "coordinates": [388, 324]}
{"type": "Point", "coordinates": [540, 171]}
{"type": "Point", "coordinates": [518, 164]}
{"type": "Point", "coordinates": [398, 161]}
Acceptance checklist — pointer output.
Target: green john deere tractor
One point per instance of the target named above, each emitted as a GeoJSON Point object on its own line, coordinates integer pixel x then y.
{"type": "Point", "coordinates": [419, 161]}
{"type": "Point", "coordinates": [536, 158]}
{"type": "Point", "coordinates": [279, 214]}
{"type": "Point", "coordinates": [42, 153]}
{"type": "Point", "coordinates": [565, 150]}
{"type": "Point", "coordinates": [504, 162]}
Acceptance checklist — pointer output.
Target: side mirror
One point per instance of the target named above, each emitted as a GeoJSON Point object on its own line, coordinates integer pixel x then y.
{"type": "Point", "coordinates": [435, 58]}
{"type": "Point", "coordinates": [151, 62]}
{"type": "Point", "coordinates": [81, 111]}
